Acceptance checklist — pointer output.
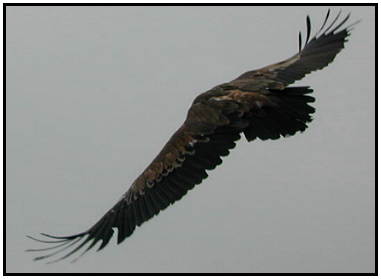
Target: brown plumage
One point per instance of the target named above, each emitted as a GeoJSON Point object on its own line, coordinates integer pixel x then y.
{"type": "Point", "coordinates": [257, 104]}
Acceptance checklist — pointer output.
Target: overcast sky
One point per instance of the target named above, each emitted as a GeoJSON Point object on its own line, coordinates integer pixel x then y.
{"type": "Point", "coordinates": [93, 93]}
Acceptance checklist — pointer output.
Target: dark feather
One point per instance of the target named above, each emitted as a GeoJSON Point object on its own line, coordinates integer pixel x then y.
{"type": "Point", "coordinates": [308, 29]}
{"type": "Point", "coordinates": [290, 115]}
{"type": "Point", "coordinates": [300, 41]}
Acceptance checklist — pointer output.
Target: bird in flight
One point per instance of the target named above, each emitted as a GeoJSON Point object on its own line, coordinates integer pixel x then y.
{"type": "Point", "coordinates": [259, 104]}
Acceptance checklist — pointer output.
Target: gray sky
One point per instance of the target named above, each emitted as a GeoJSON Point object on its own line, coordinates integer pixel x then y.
{"type": "Point", "coordinates": [93, 93]}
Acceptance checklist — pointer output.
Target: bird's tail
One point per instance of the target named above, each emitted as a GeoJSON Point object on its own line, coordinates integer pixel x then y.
{"type": "Point", "coordinates": [289, 114]}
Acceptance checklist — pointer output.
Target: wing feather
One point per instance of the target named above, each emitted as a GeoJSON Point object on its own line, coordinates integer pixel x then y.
{"type": "Point", "coordinates": [180, 166]}
{"type": "Point", "coordinates": [184, 160]}
{"type": "Point", "coordinates": [317, 53]}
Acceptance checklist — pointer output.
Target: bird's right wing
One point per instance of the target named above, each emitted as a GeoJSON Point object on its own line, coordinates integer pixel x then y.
{"type": "Point", "coordinates": [316, 54]}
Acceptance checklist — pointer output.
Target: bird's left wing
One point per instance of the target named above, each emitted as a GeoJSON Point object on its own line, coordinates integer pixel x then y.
{"type": "Point", "coordinates": [195, 147]}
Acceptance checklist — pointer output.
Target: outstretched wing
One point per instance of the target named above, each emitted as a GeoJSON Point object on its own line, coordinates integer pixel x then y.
{"type": "Point", "coordinates": [316, 54]}
{"type": "Point", "coordinates": [197, 146]}
{"type": "Point", "coordinates": [211, 129]}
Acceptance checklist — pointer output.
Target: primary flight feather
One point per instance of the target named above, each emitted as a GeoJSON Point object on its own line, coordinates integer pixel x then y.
{"type": "Point", "coordinates": [258, 104]}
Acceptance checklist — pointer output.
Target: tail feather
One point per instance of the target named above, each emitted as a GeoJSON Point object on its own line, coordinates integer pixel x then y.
{"type": "Point", "coordinates": [289, 115]}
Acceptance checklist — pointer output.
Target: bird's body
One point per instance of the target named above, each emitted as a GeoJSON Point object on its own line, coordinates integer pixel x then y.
{"type": "Point", "coordinates": [258, 104]}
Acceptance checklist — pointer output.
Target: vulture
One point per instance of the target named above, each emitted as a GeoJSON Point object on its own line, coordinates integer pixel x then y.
{"type": "Point", "coordinates": [259, 104]}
